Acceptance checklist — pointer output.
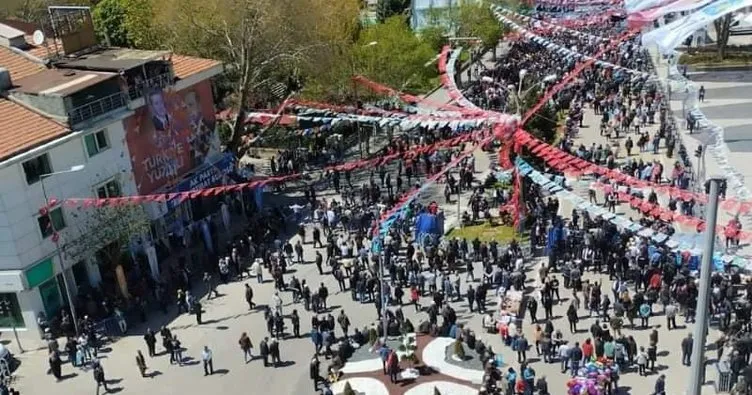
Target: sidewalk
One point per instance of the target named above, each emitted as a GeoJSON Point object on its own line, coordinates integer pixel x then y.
{"type": "Point", "coordinates": [695, 140]}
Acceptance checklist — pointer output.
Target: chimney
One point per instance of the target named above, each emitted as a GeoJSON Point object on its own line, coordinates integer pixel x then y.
{"type": "Point", "coordinates": [5, 82]}
{"type": "Point", "coordinates": [11, 37]}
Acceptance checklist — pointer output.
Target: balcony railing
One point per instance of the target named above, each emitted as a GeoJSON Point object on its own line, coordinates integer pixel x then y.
{"type": "Point", "coordinates": [161, 81]}
{"type": "Point", "coordinates": [96, 108]}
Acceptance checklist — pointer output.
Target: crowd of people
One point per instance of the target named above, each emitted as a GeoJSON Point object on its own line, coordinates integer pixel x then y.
{"type": "Point", "coordinates": [435, 274]}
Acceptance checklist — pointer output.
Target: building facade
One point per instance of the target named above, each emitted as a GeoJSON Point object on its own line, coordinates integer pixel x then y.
{"type": "Point", "coordinates": [114, 122]}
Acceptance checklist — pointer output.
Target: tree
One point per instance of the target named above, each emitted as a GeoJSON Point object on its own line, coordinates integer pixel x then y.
{"type": "Point", "coordinates": [722, 31]}
{"type": "Point", "coordinates": [436, 391]}
{"type": "Point", "coordinates": [109, 20]}
{"type": "Point", "coordinates": [386, 9]}
{"type": "Point", "coordinates": [256, 40]}
{"type": "Point", "coordinates": [475, 19]}
{"type": "Point", "coordinates": [400, 59]}
{"type": "Point", "coordinates": [107, 231]}
{"type": "Point", "coordinates": [262, 43]}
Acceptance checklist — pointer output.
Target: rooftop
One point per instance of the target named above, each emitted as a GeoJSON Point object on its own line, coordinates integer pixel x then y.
{"type": "Point", "coordinates": [24, 129]}
{"type": "Point", "coordinates": [19, 65]}
{"type": "Point", "coordinates": [59, 82]}
{"type": "Point", "coordinates": [112, 59]}
{"type": "Point", "coordinates": [186, 66]}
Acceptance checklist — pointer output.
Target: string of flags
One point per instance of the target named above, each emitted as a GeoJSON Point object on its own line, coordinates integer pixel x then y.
{"type": "Point", "coordinates": [554, 188]}
{"type": "Point", "coordinates": [554, 26]}
{"type": "Point", "coordinates": [561, 50]}
{"type": "Point", "coordinates": [580, 2]}
{"type": "Point", "coordinates": [179, 197]}
{"type": "Point", "coordinates": [718, 148]}
{"type": "Point", "coordinates": [405, 122]}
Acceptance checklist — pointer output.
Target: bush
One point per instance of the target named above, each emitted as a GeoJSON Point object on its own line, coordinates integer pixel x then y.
{"type": "Point", "coordinates": [459, 349]}
{"type": "Point", "coordinates": [348, 389]}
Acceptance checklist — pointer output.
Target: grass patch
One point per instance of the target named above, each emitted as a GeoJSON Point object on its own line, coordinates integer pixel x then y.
{"type": "Point", "coordinates": [486, 232]}
{"type": "Point", "coordinates": [733, 58]}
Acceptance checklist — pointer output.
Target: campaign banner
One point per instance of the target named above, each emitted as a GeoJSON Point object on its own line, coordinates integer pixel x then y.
{"type": "Point", "coordinates": [652, 14]}
{"type": "Point", "coordinates": [671, 35]}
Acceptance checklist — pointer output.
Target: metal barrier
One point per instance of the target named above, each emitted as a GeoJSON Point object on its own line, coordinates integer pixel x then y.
{"type": "Point", "coordinates": [723, 384]}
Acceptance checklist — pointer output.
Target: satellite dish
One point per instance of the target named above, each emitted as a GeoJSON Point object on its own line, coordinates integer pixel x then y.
{"type": "Point", "coordinates": [38, 37]}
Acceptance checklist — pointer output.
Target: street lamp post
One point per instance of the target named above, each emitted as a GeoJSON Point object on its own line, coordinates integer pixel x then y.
{"type": "Point", "coordinates": [56, 240]}
{"type": "Point", "coordinates": [523, 72]}
{"type": "Point", "coordinates": [701, 312]}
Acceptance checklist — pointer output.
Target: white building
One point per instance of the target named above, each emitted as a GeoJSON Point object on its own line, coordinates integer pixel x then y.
{"type": "Point", "coordinates": [62, 115]}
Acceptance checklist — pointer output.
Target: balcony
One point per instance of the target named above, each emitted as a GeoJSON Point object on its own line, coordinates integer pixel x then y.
{"type": "Point", "coordinates": [96, 108]}
{"type": "Point", "coordinates": [161, 81]}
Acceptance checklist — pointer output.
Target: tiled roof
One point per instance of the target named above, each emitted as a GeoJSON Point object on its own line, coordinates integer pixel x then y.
{"type": "Point", "coordinates": [22, 129]}
{"type": "Point", "coordinates": [186, 66]}
{"type": "Point", "coordinates": [18, 65]}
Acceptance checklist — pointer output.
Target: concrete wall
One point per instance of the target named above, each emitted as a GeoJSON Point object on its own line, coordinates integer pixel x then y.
{"type": "Point", "coordinates": [21, 242]}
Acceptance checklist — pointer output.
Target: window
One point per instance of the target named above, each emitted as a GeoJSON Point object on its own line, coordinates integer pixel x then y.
{"type": "Point", "coordinates": [36, 168]}
{"type": "Point", "coordinates": [48, 228]}
{"type": "Point", "coordinates": [96, 142]}
{"type": "Point", "coordinates": [109, 190]}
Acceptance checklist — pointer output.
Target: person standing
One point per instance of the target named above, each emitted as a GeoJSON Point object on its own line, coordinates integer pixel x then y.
{"type": "Point", "coordinates": [393, 366]}
{"type": "Point", "coordinates": [246, 346]}
{"type": "Point", "coordinates": [151, 342]}
{"type": "Point", "coordinates": [701, 93]}
{"type": "Point", "coordinates": [99, 378]}
{"type": "Point", "coordinates": [198, 310]}
{"type": "Point", "coordinates": [207, 358]}
{"type": "Point", "coordinates": [264, 351]}
{"type": "Point", "coordinates": [176, 351]}
{"type": "Point", "coordinates": [660, 385]}
{"type": "Point", "coordinates": [56, 365]}
{"type": "Point", "coordinates": [344, 322]}
{"type": "Point", "coordinates": [671, 311]}
{"type": "Point", "coordinates": [274, 351]}
{"type": "Point", "coordinates": [686, 347]}
{"type": "Point", "coordinates": [532, 306]}
{"type": "Point", "coordinates": [521, 346]}
{"type": "Point", "coordinates": [314, 371]}
{"type": "Point", "coordinates": [295, 319]}
{"type": "Point", "coordinates": [249, 297]}
{"type": "Point", "coordinates": [575, 356]}
{"type": "Point", "coordinates": [141, 363]}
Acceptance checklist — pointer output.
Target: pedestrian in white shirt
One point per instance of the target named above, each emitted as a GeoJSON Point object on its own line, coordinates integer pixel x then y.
{"type": "Point", "coordinates": [206, 356]}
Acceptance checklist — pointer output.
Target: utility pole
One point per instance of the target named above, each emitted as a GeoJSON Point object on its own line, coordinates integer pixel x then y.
{"type": "Point", "coordinates": [701, 313]}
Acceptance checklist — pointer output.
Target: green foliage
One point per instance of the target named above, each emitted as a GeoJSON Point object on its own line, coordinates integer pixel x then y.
{"type": "Point", "coordinates": [142, 26]}
{"type": "Point", "coordinates": [436, 391]}
{"type": "Point", "coordinates": [107, 230]}
{"type": "Point", "coordinates": [459, 349]}
{"type": "Point", "coordinates": [475, 19]}
{"type": "Point", "coordinates": [544, 124]}
{"type": "Point", "coordinates": [399, 59]}
{"type": "Point", "coordinates": [348, 390]}
{"type": "Point", "coordinates": [470, 19]}
{"type": "Point", "coordinates": [109, 21]}
{"type": "Point", "coordinates": [386, 9]}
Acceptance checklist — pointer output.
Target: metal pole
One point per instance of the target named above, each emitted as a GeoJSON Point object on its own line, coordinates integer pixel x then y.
{"type": "Point", "coordinates": [459, 207]}
{"type": "Point", "coordinates": [59, 251]}
{"type": "Point", "coordinates": [701, 313]}
{"type": "Point", "coordinates": [384, 300]}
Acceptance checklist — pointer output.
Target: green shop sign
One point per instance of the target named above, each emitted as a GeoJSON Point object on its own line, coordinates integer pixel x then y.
{"type": "Point", "coordinates": [40, 273]}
